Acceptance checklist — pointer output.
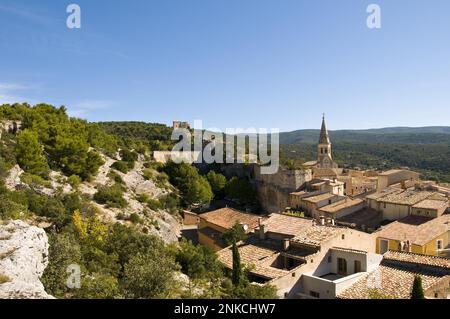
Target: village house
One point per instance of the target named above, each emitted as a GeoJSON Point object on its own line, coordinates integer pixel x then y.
{"type": "Point", "coordinates": [396, 203]}
{"type": "Point", "coordinates": [214, 224]}
{"type": "Point", "coordinates": [358, 182]}
{"type": "Point", "coordinates": [312, 204]}
{"type": "Point", "coordinates": [394, 278]}
{"type": "Point", "coordinates": [284, 248]}
{"type": "Point", "coordinates": [416, 234]}
{"type": "Point", "coordinates": [328, 186]}
{"type": "Point", "coordinates": [430, 207]}
{"type": "Point", "coordinates": [342, 208]}
{"type": "Point", "coordinates": [396, 176]}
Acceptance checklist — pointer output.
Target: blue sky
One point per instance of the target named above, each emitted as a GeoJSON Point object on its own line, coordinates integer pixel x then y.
{"type": "Point", "coordinates": [232, 63]}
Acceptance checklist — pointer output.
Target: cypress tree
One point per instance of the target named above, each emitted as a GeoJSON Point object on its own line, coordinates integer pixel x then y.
{"type": "Point", "coordinates": [417, 290]}
{"type": "Point", "coordinates": [237, 271]}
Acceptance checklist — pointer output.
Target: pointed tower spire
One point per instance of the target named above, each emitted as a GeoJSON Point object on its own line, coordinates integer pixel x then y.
{"type": "Point", "coordinates": [324, 137]}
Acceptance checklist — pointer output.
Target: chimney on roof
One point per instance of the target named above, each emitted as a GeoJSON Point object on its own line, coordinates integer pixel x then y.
{"type": "Point", "coordinates": [262, 231]}
{"type": "Point", "coordinates": [286, 244]}
{"type": "Point", "coordinates": [322, 220]}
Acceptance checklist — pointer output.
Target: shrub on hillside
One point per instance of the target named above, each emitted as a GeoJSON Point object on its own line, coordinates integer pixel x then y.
{"type": "Point", "coordinates": [111, 196]}
{"type": "Point", "coordinates": [121, 166]}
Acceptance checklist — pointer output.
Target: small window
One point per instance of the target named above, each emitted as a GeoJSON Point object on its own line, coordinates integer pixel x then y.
{"type": "Point", "coordinates": [384, 205]}
{"type": "Point", "coordinates": [436, 295]}
{"type": "Point", "coordinates": [330, 259]}
{"type": "Point", "coordinates": [357, 266]}
{"type": "Point", "coordinates": [314, 294]}
{"type": "Point", "coordinates": [343, 237]}
{"type": "Point", "coordinates": [439, 244]}
{"type": "Point", "coordinates": [293, 274]}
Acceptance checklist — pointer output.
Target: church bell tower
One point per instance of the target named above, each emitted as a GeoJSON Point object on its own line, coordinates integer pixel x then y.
{"type": "Point", "coordinates": [324, 152]}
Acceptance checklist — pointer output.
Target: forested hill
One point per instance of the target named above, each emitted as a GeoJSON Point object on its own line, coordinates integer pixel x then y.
{"type": "Point", "coordinates": [393, 135]}
{"type": "Point", "coordinates": [425, 149]}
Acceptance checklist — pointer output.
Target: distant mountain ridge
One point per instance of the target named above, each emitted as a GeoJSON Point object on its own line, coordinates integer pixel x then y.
{"type": "Point", "coordinates": [391, 135]}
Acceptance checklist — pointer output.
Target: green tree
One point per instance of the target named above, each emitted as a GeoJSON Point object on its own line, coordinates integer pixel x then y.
{"type": "Point", "coordinates": [149, 275]}
{"type": "Point", "coordinates": [98, 286]}
{"type": "Point", "coordinates": [232, 237]}
{"type": "Point", "coordinates": [194, 188]}
{"type": "Point", "coordinates": [30, 154]}
{"type": "Point", "coordinates": [234, 234]}
{"type": "Point", "coordinates": [198, 261]}
{"type": "Point", "coordinates": [111, 196]}
{"type": "Point", "coordinates": [64, 251]}
{"type": "Point", "coordinates": [253, 291]}
{"type": "Point", "coordinates": [417, 289]}
{"type": "Point", "coordinates": [217, 182]}
{"type": "Point", "coordinates": [237, 268]}
{"type": "Point", "coordinates": [240, 189]}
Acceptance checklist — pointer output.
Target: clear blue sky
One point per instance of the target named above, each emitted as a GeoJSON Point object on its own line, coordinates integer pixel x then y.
{"type": "Point", "coordinates": [232, 63]}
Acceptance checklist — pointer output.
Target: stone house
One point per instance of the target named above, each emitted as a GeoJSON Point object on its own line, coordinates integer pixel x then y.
{"type": "Point", "coordinates": [213, 224]}
{"type": "Point", "coordinates": [416, 234]}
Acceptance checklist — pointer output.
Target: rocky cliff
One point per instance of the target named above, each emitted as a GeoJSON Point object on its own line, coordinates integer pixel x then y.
{"type": "Point", "coordinates": [23, 258]}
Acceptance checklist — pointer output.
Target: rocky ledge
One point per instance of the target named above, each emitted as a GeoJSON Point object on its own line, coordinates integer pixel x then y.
{"type": "Point", "coordinates": [23, 258]}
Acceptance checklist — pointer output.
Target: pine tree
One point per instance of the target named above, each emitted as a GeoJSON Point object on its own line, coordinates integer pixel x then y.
{"type": "Point", "coordinates": [237, 271]}
{"type": "Point", "coordinates": [417, 290]}
{"type": "Point", "coordinates": [30, 154]}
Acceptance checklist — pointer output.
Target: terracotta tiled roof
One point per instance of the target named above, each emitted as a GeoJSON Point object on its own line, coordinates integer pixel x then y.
{"type": "Point", "coordinates": [343, 204]}
{"type": "Point", "coordinates": [431, 204]}
{"type": "Point", "coordinates": [418, 230]}
{"type": "Point", "coordinates": [310, 163]}
{"type": "Point", "coordinates": [327, 172]}
{"type": "Point", "coordinates": [417, 259]}
{"type": "Point", "coordinates": [228, 217]}
{"type": "Point", "coordinates": [390, 282]}
{"type": "Point", "coordinates": [259, 257]}
{"type": "Point", "coordinates": [350, 250]}
{"type": "Point", "coordinates": [319, 198]}
{"type": "Point", "coordinates": [316, 235]}
{"type": "Point", "coordinates": [286, 225]}
{"type": "Point", "coordinates": [405, 197]}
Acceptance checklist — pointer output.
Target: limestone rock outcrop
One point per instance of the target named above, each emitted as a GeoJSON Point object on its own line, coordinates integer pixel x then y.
{"type": "Point", "coordinates": [23, 259]}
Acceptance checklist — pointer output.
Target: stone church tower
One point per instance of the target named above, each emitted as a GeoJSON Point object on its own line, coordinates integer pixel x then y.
{"type": "Point", "coordinates": [324, 151]}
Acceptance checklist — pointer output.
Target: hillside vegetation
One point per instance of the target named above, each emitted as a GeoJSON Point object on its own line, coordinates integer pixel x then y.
{"type": "Point", "coordinates": [108, 208]}
{"type": "Point", "coordinates": [426, 150]}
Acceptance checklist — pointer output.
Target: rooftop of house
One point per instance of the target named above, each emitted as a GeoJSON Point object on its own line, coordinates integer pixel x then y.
{"type": "Point", "coordinates": [395, 280]}
{"type": "Point", "coordinates": [417, 259]}
{"type": "Point", "coordinates": [367, 216]}
{"type": "Point", "coordinates": [310, 163]}
{"type": "Point", "coordinates": [382, 193]}
{"type": "Point", "coordinates": [317, 235]}
{"type": "Point", "coordinates": [327, 172]}
{"type": "Point", "coordinates": [301, 193]}
{"type": "Point", "coordinates": [318, 198]}
{"type": "Point", "coordinates": [260, 255]}
{"type": "Point", "coordinates": [395, 171]}
{"type": "Point", "coordinates": [390, 282]}
{"type": "Point", "coordinates": [348, 250]}
{"type": "Point", "coordinates": [431, 204]}
{"type": "Point", "coordinates": [286, 225]}
{"type": "Point", "coordinates": [401, 197]}
{"type": "Point", "coordinates": [343, 204]}
{"type": "Point", "coordinates": [418, 230]}
{"type": "Point", "coordinates": [228, 217]}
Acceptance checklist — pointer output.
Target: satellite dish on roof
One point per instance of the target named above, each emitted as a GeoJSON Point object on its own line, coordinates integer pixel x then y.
{"type": "Point", "coordinates": [245, 227]}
